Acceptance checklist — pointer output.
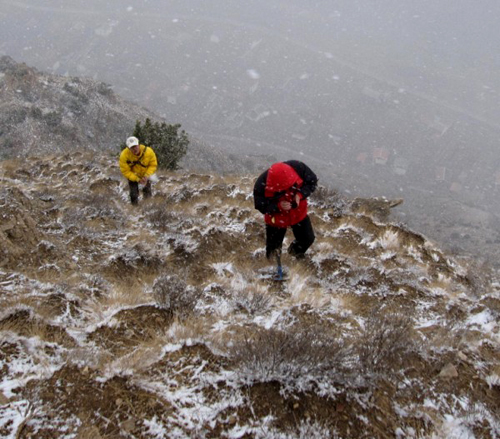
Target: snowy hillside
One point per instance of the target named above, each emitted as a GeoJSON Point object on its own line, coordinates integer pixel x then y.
{"type": "Point", "coordinates": [43, 114]}
{"type": "Point", "coordinates": [162, 321]}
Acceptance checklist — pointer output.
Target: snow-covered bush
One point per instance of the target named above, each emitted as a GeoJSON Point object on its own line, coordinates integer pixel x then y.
{"type": "Point", "coordinates": [138, 256]}
{"type": "Point", "coordinates": [300, 358]}
{"type": "Point", "coordinates": [174, 294]}
{"type": "Point", "coordinates": [327, 198]}
{"type": "Point", "coordinates": [253, 302]}
{"type": "Point", "coordinates": [386, 341]}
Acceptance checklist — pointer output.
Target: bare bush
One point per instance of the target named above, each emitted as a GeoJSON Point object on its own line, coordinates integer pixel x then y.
{"type": "Point", "coordinates": [386, 340]}
{"type": "Point", "coordinates": [99, 206]}
{"type": "Point", "coordinates": [95, 206]}
{"type": "Point", "coordinates": [136, 257]}
{"type": "Point", "coordinates": [251, 302]}
{"type": "Point", "coordinates": [298, 358]}
{"type": "Point", "coordinates": [327, 198]}
{"type": "Point", "coordinates": [162, 218]}
{"type": "Point", "coordinates": [174, 294]}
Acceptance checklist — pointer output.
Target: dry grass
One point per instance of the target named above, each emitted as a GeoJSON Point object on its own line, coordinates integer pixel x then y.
{"type": "Point", "coordinates": [192, 327]}
{"type": "Point", "coordinates": [303, 289]}
{"type": "Point", "coordinates": [135, 257]}
{"type": "Point", "coordinates": [27, 323]}
{"type": "Point", "coordinates": [130, 295]}
{"type": "Point", "coordinates": [139, 359]}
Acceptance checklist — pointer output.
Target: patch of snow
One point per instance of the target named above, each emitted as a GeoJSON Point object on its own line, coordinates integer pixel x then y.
{"type": "Point", "coordinates": [388, 255]}
{"type": "Point", "coordinates": [32, 363]}
{"type": "Point", "coordinates": [155, 428]}
{"type": "Point", "coordinates": [453, 428]}
{"type": "Point", "coordinates": [223, 268]}
{"type": "Point", "coordinates": [485, 320]}
{"type": "Point", "coordinates": [493, 380]}
{"type": "Point", "coordinates": [12, 415]}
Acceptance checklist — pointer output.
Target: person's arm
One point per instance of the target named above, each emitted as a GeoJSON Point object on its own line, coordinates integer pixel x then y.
{"type": "Point", "coordinates": [310, 180]}
{"type": "Point", "coordinates": [262, 203]}
{"type": "Point", "coordinates": [125, 167]}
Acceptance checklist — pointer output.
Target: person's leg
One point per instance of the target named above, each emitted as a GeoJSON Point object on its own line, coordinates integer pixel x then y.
{"type": "Point", "coordinates": [304, 237]}
{"type": "Point", "coordinates": [134, 191]}
{"type": "Point", "coordinates": [274, 239]}
{"type": "Point", "coordinates": [147, 190]}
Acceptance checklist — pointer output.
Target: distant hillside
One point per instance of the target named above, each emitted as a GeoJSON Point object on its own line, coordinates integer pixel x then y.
{"type": "Point", "coordinates": [44, 114]}
{"type": "Point", "coordinates": [162, 320]}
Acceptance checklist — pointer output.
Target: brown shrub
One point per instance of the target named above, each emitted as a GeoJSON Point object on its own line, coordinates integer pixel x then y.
{"type": "Point", "coordinates": [298, 358]}
{"type": "Point", "coordinates": [386, 340]}
{"type": "Point", "coordinates": [174, 294]}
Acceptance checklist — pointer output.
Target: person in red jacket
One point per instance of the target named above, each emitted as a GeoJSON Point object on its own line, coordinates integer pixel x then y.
{"type": "Point", "coordinates": [281, 193]}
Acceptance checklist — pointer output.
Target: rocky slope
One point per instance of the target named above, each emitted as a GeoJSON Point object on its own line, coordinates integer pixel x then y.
{"type": "Point", "coordinates": [44, 114]}
{"type": "Point", "coordinates": [162, 320]}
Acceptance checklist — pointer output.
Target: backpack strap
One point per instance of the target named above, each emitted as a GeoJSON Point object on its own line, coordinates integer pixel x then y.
{"type": "Point", "coordinates": [138, 161]}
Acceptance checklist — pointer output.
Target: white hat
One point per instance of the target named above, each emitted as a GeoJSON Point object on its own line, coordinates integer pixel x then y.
{"type": "Point", "coordinates": [132, 141]}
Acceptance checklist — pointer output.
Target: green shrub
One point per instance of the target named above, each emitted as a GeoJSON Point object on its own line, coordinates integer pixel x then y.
{"type": "Point", "coordinates": [104, 89]}
{"type": "Point", "coordinates": [168, 143]}
{"type": "Point", "coordinates": [36, 113]}
{"type": "Point", "coordinates": [53, 119]}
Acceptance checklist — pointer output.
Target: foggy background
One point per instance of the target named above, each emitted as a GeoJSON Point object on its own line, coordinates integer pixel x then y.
{"type": "Point", "coordinates": [391, 98]}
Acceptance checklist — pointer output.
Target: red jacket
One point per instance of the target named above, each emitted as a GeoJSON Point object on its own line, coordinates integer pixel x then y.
{"type": "Point", "coordinates": [281, 183]}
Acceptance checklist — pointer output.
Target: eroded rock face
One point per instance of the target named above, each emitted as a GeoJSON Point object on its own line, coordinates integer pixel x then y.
{"type": "Point", "coordinates": [378, 208]}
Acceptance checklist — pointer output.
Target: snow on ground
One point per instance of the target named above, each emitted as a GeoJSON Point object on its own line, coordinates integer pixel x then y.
{"type": "Point", "coordinates": [164, 320]}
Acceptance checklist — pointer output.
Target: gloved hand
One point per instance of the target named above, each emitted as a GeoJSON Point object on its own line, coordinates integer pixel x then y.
{"type": "Point", "coordinates": [285, 205]}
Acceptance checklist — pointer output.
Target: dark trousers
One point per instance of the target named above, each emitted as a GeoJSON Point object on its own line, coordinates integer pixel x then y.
{"type": "Point", "coordinates": [303, 233]}
{"type": "Point", "coordinates": [134, 191]}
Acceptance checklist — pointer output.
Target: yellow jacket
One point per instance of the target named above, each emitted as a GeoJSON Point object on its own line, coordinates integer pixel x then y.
{"type": "Point", "coordinates": [135, 167]}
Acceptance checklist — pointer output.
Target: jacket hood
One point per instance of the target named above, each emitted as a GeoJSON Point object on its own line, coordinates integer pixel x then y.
{"type": "Point", "coordinates": [281, 177]}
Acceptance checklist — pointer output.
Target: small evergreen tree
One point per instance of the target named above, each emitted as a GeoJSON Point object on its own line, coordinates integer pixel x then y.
{"type": "Point", "coordinates": [168, 143]}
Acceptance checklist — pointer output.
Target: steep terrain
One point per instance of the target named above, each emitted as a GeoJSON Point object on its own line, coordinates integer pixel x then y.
{"type": "Point", "coordinates": [43, 114]}
{"type": "Point", "coordinates": [162, 321]}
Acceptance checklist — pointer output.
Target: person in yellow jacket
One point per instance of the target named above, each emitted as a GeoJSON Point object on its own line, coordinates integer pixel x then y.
{"type": "Point", "coordinates": [138, 165]}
